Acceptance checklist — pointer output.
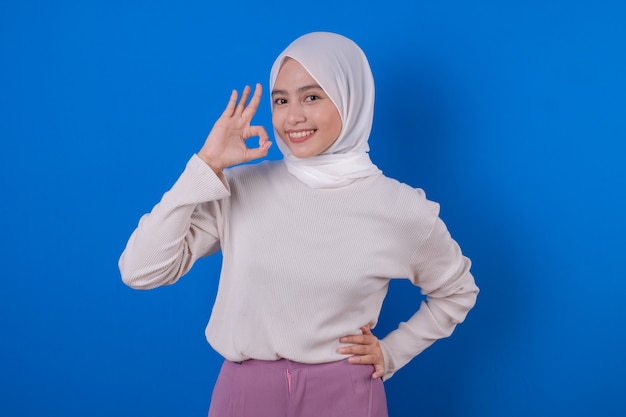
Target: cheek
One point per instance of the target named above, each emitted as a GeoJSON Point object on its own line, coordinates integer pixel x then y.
{"type": "Point", "coordinates": [338, 125]}
{"type": "Point", "coordinates": [277, 118]}
{"type": "Point", "coordinates": [278, 123]}
{"type": "Point", "coordinates": [334, 121]}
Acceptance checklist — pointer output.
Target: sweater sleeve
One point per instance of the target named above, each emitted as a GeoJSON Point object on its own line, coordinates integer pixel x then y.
{"type": "Point", "coordinates": [442, 272]}
{"type": "Point", "coordinates": [181, 228]}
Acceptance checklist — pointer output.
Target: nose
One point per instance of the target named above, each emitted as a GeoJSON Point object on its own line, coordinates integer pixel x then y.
{"type": "Point", "coordinates": [295, 113]}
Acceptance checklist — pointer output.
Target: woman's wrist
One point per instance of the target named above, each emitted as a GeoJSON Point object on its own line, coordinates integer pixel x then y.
{"type": "Point", "coordinates": [216, 167]}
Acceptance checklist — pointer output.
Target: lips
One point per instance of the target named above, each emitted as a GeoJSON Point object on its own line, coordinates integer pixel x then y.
{"type": "Point", "coordinates": [300, 135]}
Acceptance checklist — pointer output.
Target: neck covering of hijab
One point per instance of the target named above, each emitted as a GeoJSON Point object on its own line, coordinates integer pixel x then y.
{"type": "Point", "coordinates": [340, 67]}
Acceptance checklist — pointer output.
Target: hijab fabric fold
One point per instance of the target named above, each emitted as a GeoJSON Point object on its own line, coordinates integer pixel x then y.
{"type": "Point", "coordinates": [341, 68]}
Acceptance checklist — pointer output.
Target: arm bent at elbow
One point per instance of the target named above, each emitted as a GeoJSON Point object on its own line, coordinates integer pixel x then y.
{"type": "Point", "coordinates": [442, 272]}
{"type": "Point", "coordinates": [181, 228]}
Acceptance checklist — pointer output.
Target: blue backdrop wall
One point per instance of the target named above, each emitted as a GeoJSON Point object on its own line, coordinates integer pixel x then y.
{"type": "Point", "coordinates": [512, 115]}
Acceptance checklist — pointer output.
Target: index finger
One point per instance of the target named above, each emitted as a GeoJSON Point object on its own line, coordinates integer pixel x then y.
{"type": "Point", "coordinates": [365, 339]}
{"type": "Point", "coordinates": [367, 329]}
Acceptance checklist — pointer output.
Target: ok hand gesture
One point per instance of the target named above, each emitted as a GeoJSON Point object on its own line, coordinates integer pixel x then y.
{"type": "Point", "coordinates": [226, 143]}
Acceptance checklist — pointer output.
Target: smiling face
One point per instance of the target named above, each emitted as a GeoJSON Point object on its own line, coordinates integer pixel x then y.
{"type": "Point", "coordinates": [303, 115]}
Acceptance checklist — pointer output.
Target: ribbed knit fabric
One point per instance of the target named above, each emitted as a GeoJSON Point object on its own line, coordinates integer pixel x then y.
{"type": "Point", "coordinates": [303, 266]}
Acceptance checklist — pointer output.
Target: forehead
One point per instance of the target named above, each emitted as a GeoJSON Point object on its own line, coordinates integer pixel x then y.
{"type": "Point", "coordinates": [292, 75]}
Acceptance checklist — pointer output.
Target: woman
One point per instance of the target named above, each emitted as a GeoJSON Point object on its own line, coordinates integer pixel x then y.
{"type": "Point", "coordinates": [309, 245]}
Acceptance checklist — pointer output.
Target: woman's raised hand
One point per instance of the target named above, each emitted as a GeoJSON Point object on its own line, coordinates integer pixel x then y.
{"type": "Point", "coordinates": [226, 143]}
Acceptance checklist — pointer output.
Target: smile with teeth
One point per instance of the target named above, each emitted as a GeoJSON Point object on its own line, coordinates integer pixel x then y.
{"type": "Point", "coordinates": [300, 134]}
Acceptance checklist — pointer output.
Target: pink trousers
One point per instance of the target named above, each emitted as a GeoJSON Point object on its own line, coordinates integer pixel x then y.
{"type": "Point", "coordinates": [290, 389]}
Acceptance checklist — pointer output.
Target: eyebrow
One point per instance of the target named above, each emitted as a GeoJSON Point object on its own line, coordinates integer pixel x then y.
{"type": "Point", "coordinates": [299, 90]}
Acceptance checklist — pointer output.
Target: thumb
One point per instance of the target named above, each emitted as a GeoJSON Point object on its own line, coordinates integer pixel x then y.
{"type": "Point", "coordinates": [256, 153]}
{"type": "Point", "coordinates": [379, 371]}
{"type": "Point", "coordinates": [264, 143]}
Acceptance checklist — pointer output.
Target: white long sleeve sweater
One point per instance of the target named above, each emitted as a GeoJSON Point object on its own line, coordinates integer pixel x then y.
{"type": "Point", "coordinates": [302, 266]}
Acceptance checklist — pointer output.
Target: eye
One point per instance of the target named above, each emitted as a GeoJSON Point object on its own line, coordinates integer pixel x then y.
{"type": "Point", "coordinates": [311, 97]}
{"type": "Point", "coordinates": [280, 101]}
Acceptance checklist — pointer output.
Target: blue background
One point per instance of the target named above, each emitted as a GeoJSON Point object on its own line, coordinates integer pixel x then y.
{"type": "Point", "coordinates": [512, 115]}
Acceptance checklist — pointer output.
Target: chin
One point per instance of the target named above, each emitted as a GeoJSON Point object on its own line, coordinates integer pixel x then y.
{"type": "Point", "coordinates": [302, 153]}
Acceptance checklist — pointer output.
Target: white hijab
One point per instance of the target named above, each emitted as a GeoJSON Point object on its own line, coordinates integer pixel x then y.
{"type": "Point", "coordinates": [341, 69]}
